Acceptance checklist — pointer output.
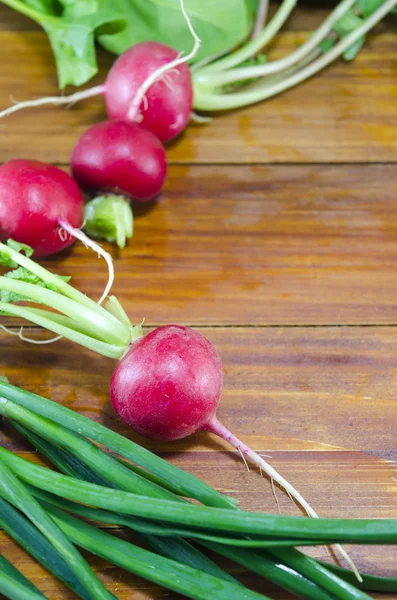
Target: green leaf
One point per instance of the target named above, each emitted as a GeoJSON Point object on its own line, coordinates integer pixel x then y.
{"type": "Point", "coordinates": [71, 26]}
{"type": "Point", "coordinates": [220, 25]}
{"type": "Point", "coordinates": [22, 274]}
{"type": "Point", "coordinates": [5, 257]}
{"type": "Point", "coordinates": [20, 247]}
{"type": "Point", "coordinates": [50, 7]}
{"type": "Point", "coordinates": [367, 7]}
{"type": "Point", "coordinates": [354, 49]}
{"type": "Point", "coordinates": [72, 40]}
{"type": "Point", "coordinates": [348, 23]}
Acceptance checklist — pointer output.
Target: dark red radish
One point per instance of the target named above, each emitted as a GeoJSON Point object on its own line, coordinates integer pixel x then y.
{"type": "Point", "coordinates": [120, 157]}
{"type": "Point", "coordinates": [167, 105]}
{"type": "Point", "coordinates": [34, 199]}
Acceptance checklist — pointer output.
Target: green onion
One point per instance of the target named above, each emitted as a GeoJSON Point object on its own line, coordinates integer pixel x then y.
{"type": "Point", "coordinates": [9, 570]}
{"type": "Point", "coordinates": [319, 574]}
{"type": "Point", "coordinates": [332, 530]}
{"type": "Point", "coordinates": [12, 588]}
{"type": "Point", "coordinates": [12, 490]}
{"type": "Point", "coordinates": [168, 573]}
{"type": "Point", "coordinates": [187, 484]}
{"type": "Point", "coordinates": [272, 569]}
{"type": "Point", "coordinates": [89, 454]}
{"type": "Point", "coordinates": [372, 583]}
{"type": "Point", "coordinates": [179, 549]}
{"type": "Point", "coordinates": [151, 528]}
{"type": "Point", "coordinates": [29, 537]}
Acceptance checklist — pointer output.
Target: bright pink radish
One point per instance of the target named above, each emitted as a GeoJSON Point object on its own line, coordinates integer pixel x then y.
{"type": "Point", "coordinates": [168, 102]}
{"type": "Point", "coordinates": [168, 386]}
{"type": "Point", "coordinates": [34, 198]}
{"type": "Point", "coordinates": [117, 156]}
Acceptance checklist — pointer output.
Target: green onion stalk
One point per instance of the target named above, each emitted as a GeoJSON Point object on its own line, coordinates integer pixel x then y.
{"type": "Point", "coordinates": [156, 536]}
{"type": "Point", "coordinates": [156, 514]}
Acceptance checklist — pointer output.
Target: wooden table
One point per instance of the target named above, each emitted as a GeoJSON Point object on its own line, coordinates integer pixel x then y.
{"type": "Point", "coordinates": [276, 236]}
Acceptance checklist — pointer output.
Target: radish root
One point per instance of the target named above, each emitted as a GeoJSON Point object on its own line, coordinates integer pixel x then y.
{"type": "Point", "coordinates": [88, 243]}
{"type": "Point", "coordinates": [70, 100]}
{"type": "Point", "coordinates": [140, 94]}
{"type": "Point", "coordinates": [214, 426]}
{"type": "Point", "coordinates": [25, 339]}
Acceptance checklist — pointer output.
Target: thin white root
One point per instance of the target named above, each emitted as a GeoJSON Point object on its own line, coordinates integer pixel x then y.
{"type": "Point", "coordinates": [245, 462]}
{"type": "Point", "coordinates": [25, 339]}
{"type": "Point", "coordinates": [199, 119]}
{"type": "Point", "coordinates": [70, 100]}
{"type": "Point", "coordinates": [275, 495]}
{"type": "Point", "coordinates": [88, 243]}
{"type": "Point", "coordinates": [218, 429]}
{"type": "Point", "coordinates": [140, 94]}
{"type": "Point", "coordinates": [261, 16]}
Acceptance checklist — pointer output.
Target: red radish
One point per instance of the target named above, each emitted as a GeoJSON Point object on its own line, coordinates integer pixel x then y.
{"type": "Point", "coordinates": [165, 110]}
{"type": "Point", "coordinates": [150, 84]}
{"type": "Point", "coordinates": [168, 386]}
{"type": "Point", "coordinates": [34, 198]}
{"type": "Point", "coordinates": [117, 156]}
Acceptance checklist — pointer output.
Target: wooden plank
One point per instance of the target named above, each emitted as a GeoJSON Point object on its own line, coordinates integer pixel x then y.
{"type": "Point", "coordinates": [320, 401]}
{"type": "Point", "coordinates": [345, 114]}
{"type": "Point", "coordinates": [286, 389]}
{"type": "Point", "coordinates": [257, 245]}
{"type": "Point", "coordinates": [367, 496]}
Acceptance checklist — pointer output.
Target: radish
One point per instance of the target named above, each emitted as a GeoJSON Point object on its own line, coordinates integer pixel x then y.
{"type": "Point", "coordinates": [150, 84]}
{"type": "Point", "coordinates": [36, 200]}
{"type": "Point", "coordinates": [167, 384]}
{"type": "Point", "coordinates": [122, 157]}
{"type": "Point", "coordinates": [165, 110]}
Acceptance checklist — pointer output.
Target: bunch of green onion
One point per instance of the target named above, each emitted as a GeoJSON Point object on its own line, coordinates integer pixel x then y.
{"type": "Point", "coordinates": [46, 512]}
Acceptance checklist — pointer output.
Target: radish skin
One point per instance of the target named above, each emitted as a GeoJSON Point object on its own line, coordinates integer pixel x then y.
{"type": "Point", "coordinates": [169, 385]}
{"type": "Point", "coordinates": [34, 198]}
{"type": "Point", "coordinates": [120, 157]}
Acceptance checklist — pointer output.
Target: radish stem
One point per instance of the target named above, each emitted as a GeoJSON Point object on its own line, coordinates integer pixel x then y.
{"type": "Point", "coordinates": [261, 16]}
{"type": "Point", "coordinates": [254, 46]}
{"type": "Point", "coordinates": [239, 74]}
{"type": "Point", "coordinates": [205, 100]}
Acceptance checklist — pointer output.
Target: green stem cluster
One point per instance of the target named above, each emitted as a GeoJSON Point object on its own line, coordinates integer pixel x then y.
{"type": "Point", "coordinates": [99, 487]}
{"type": "Point", "coordinates": [105, 330]}
{"type": "Point", "coordinates": [213, 83]}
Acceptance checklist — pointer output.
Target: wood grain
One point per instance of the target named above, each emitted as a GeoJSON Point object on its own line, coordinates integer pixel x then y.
{"type": "Point", "coordinates": [286, 389]}
{"type": "Point", "coordinates": [257, 245]}
{"type": "Point", "coordinates": [346, 114]}
{"type": "Point", "coordinates": [319, 401]}
{"type": "Point", "coordinates": [289, 269]}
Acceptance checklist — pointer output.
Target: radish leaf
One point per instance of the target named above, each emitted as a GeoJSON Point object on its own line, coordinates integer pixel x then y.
{"type": "Point", "coordinates": [220, 25]}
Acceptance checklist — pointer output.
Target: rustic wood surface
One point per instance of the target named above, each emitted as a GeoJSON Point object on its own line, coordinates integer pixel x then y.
{"type": "Point", "coordinates": [276, 236]}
